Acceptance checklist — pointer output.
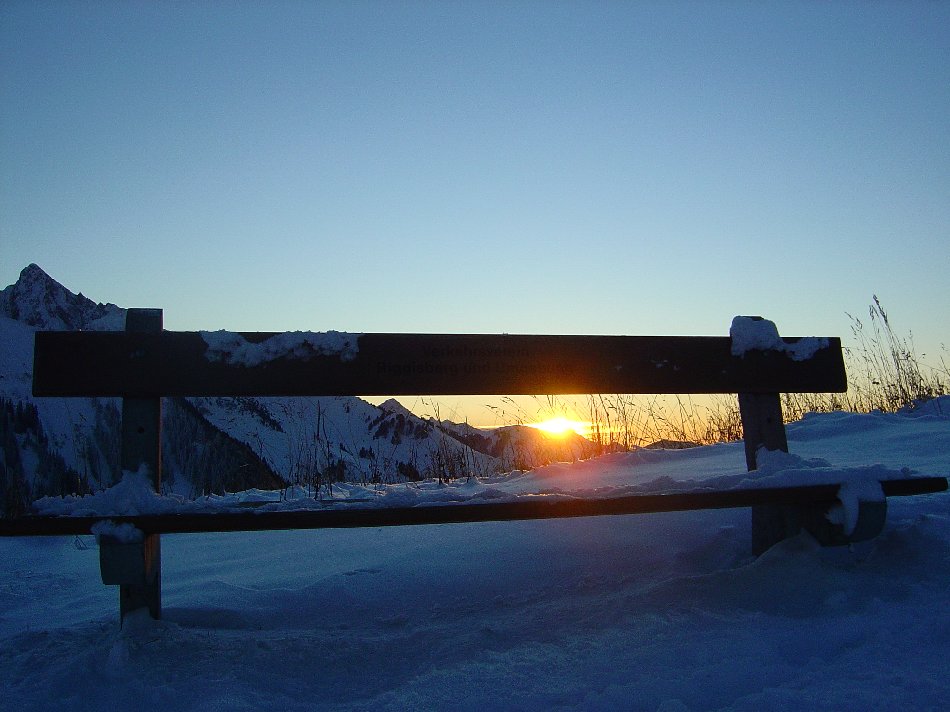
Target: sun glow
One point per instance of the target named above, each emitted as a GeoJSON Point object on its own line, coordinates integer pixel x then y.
{"type": "Point", "coordinates": [562, 426]}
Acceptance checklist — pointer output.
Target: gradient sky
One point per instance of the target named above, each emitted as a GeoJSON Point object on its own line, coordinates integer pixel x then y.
{"type": "Point", "coordinates": [521, 167]}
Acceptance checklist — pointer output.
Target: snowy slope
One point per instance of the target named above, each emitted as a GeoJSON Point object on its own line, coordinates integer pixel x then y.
{"type": "Point", "coordinates": [68, 424]}
{"type": "Point", "coordinates": [64, 419]}
{"type": "Point", "coordinates": [648, 612]}
{"type": "Point", "coordinates": [16, 355]}
{"type": "Point", "coordinates": [365, 443]}
{"type": "Point", "coordinates": [59, 416]}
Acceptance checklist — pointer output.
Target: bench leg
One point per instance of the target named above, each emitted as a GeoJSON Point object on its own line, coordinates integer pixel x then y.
{"type": "Point", "coordinates": [870, 523]}
{"type": "Point", "coordinates": [136, 569]}
{"type": "Point", "coordinates": [774, 523]}
{"type": "Point", "coordinates": [148, 593]}
{"type": "Point", "coordinates": [763, 426]}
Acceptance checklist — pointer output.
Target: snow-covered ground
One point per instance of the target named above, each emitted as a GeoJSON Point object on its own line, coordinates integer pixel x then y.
{"type": "Point", "coordinates": [643, 612]}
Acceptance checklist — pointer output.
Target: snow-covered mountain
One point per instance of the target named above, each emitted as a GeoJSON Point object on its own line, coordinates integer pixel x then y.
{"type": "Point", "coordinates": [40, 301]}
{"type": "Point", "coordinates": [58, 445]}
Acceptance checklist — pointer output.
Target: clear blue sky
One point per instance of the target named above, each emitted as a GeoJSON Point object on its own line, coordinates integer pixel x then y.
{"type": "Point", "coordinates": [522, 167]}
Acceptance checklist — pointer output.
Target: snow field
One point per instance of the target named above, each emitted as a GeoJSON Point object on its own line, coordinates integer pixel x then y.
{"type": "Point", "coordinates": [644, 612]}
{"type": "Point", "coordinates": [639, 612]}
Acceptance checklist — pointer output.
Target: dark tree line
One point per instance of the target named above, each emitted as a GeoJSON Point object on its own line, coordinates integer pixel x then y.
{"type": "Point", "coordinates": [29, 468]}
{"type": "Point", "coordinates": [210, 459]}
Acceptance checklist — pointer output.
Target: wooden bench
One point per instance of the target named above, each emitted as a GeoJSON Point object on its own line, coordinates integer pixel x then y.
{"type": "Point", "coordinates": [144, 363]}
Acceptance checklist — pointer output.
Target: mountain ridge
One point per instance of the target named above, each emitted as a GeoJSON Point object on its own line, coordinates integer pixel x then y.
{"type": "Point", "coordinates": [36, 299]}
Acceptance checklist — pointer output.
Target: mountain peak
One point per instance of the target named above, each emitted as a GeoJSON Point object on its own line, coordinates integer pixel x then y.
{"type": "Point", "coordinates": [394, 407]}
{"type": "Point", "coordinates": [39, 300]}
{"type": "Point", "coordinates": [33, 272]}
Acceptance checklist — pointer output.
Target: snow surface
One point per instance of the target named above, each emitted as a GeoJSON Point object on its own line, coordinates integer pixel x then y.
{"type": "Point", "coordinates": [757, 334]}
{"type": "Point", "coordinates": [642, 612]}
{"type": "Point", "coordinates": [133, 494]}
{"type": "Point", "coordinates": [234, 349]}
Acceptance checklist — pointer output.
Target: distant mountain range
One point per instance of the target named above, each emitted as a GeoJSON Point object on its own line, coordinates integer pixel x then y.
{"type": "Point", "coordinates": [70, 445]}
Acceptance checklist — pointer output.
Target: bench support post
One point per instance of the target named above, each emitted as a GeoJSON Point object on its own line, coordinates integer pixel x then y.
{"type": "Point", "coordinates": [763, 426]}
{"type": "Point", "coordinates": [140, 581]}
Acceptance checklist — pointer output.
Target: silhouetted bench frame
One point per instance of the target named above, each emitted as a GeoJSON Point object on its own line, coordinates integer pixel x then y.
{"type": "Point", "coordinates": [144, 363]}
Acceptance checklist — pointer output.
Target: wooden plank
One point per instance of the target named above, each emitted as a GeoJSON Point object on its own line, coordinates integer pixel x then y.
{"type": "Point", "coordinates": [175, 364]}
{"type": "Point", "coordinates": [347, 517]}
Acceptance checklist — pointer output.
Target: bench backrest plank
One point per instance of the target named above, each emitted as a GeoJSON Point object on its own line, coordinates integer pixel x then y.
{"type": "Point", "coordinates": [144, 365]}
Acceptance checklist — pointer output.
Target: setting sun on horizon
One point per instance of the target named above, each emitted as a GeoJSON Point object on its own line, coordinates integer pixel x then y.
{"type": "Point", "coordinates": [562, 426]}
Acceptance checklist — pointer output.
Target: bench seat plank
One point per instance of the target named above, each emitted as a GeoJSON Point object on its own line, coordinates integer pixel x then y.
{"type": "Point", "coordinates": [526, 508]}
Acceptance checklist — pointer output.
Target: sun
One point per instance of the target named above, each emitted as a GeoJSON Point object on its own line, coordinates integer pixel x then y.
{"type": "Point", "coordinates": [562, 426]}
